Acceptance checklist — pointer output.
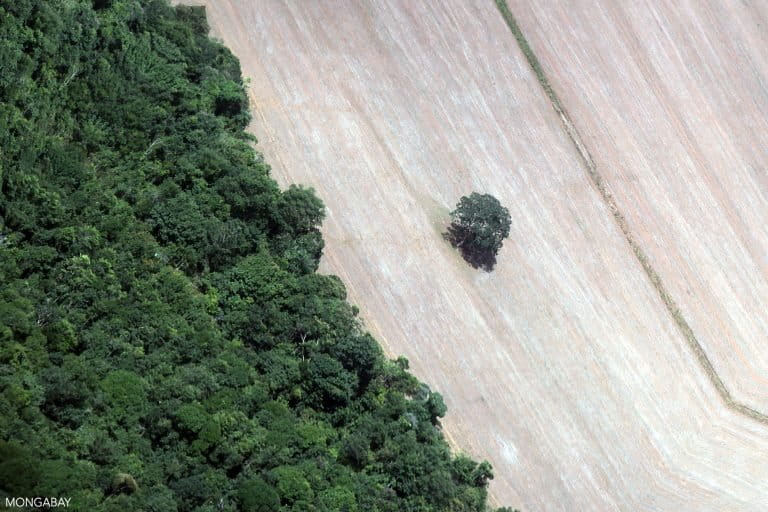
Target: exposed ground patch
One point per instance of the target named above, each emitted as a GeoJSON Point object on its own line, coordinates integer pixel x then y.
{"type": "Point", "coordinates": [605, 194]}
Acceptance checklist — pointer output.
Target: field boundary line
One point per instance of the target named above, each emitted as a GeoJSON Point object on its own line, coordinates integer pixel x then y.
{"type": "Point", "coordinates": [621, 221]}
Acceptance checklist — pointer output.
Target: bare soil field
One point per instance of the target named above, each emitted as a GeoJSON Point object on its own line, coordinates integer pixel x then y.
{"type": "Point", "coordinates": [563, 366]}
{"type": "Point", "coordinates": [671, 98]}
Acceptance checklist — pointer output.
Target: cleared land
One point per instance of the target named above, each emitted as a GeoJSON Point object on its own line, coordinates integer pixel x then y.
{"type": "Point", "coordinates": [671, 98]}
{"type": "Point", "coordinates": [563, 366]}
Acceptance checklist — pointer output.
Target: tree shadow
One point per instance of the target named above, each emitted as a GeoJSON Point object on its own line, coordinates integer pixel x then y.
{"type": "Point", "coordinates": [462, 239]}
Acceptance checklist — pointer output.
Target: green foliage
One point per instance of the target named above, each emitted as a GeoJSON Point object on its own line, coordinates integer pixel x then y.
{"type": "Point", "coordinates": [299, 210]}
{"type": "Point", "coordinates": [436, 407]}
{"type": "Point", "coordinates": [255, 495]}
{"type": "Point", "coordinates": [125, 392]}
{"type": "Point", "coordinates": [17, 471]}
{"type": "Point", "coordinates": [479, 225]}
{"type": "Point", "coordinates": [338, 499]}
{"type": "Point", "coordinates": [486, 222]}
{"type": "Point", "coordinates": [291, 484]}
{"type": "Point", "coordinates": [165, 342]}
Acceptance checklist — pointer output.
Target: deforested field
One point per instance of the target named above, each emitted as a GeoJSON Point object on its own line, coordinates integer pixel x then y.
{"type": "Point", "coordinates": [671, 98]}
{"type": "Point", "coordinates": [564, 366]}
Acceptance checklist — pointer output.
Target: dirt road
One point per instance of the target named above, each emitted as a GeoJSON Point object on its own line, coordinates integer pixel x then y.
{"type": "Point", "coordinates": [562, 367]}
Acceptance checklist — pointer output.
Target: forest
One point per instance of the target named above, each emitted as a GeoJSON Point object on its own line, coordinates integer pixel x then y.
{"type": "Point", "coordinates": [166, 343]}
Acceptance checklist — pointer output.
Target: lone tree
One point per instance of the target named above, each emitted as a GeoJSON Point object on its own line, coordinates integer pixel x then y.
{"type": "Point", "coordinates": [479, 225]}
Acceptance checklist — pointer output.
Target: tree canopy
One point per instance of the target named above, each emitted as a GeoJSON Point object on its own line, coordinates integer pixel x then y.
{"type": "Point", "coordinates": [479, 225]}
{"type": "Point", "coordinates": [165, 342]}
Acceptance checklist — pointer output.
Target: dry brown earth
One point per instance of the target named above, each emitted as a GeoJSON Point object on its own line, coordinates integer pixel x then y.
{"type": "Point", "coordinates": [671, 98]}
{"type": "Point", "coordinates": [563, 367]}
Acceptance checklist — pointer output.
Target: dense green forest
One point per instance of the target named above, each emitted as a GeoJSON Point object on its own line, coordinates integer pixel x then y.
{"type": "Point", "coordinates": [165, 342]}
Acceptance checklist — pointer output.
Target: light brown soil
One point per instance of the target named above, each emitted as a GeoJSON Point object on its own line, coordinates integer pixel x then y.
{"type": "Point", "coordinates": [672, 101]}
{"type": "Point", "coordinates": [563, 367]}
